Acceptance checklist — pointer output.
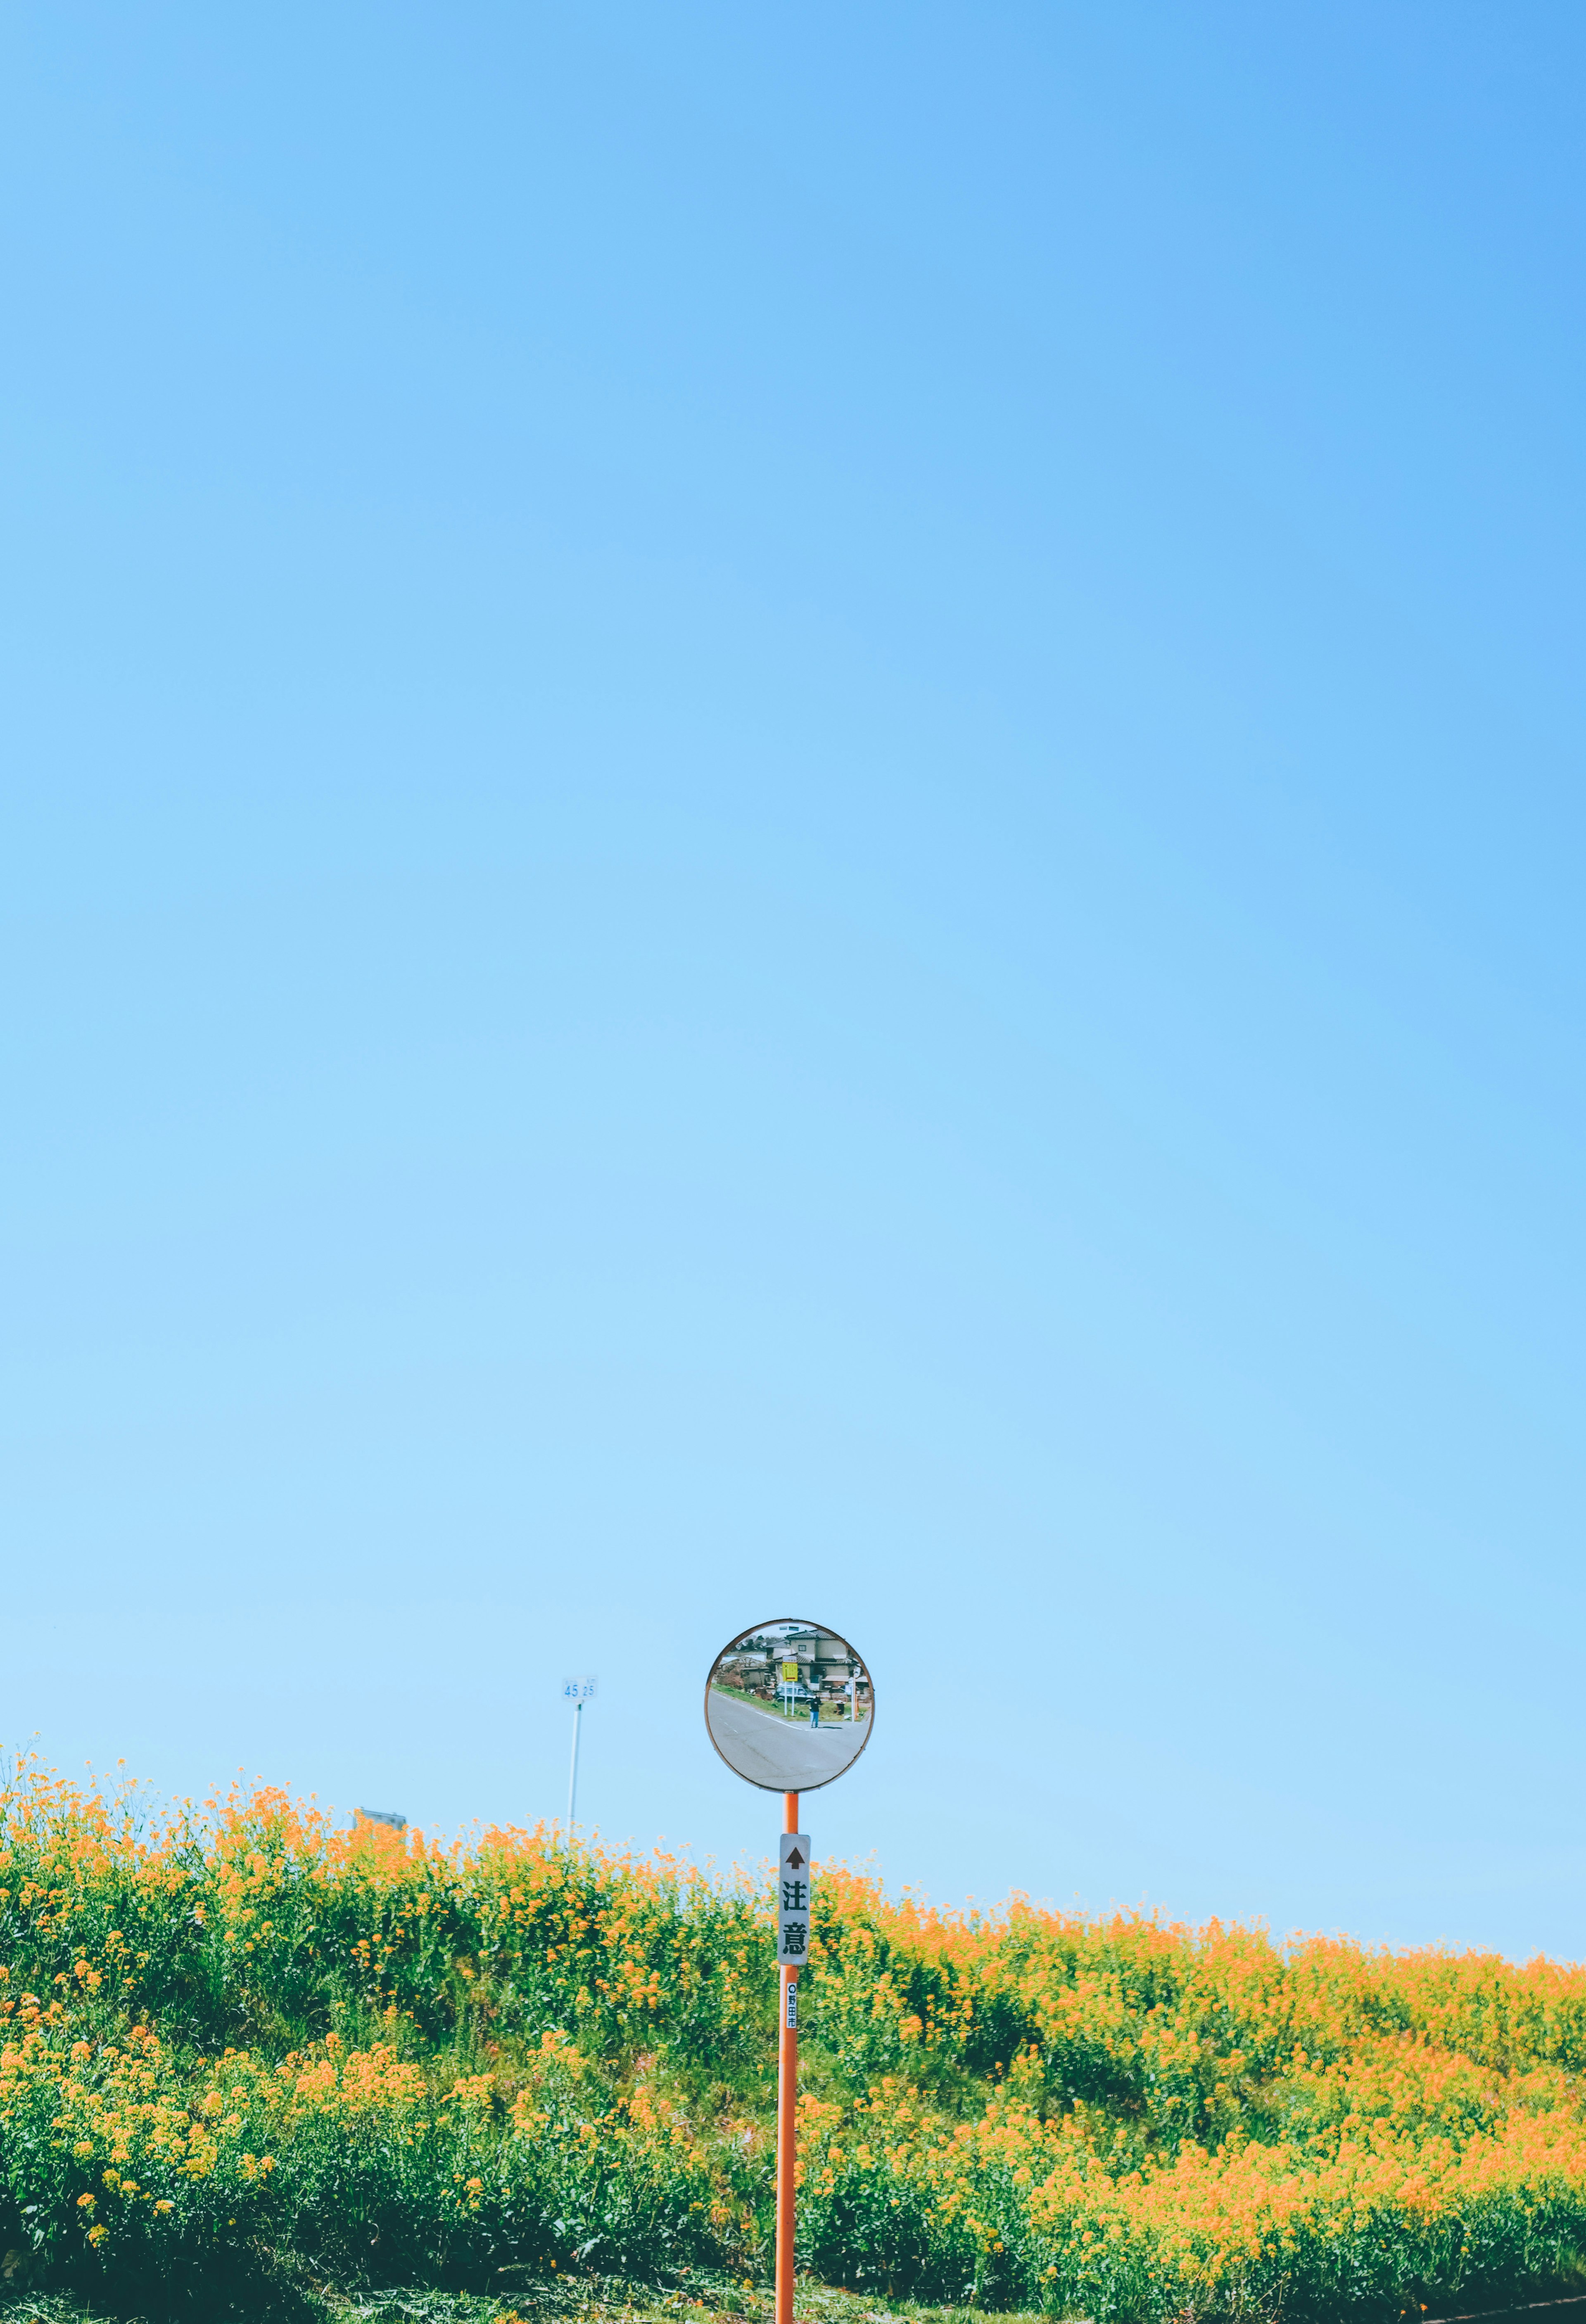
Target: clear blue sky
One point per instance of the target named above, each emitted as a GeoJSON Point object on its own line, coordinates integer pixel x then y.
{"type": "Point", "coordinates": [793, 826]}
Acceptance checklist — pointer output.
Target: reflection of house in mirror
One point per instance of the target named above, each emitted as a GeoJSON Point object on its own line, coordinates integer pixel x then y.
{"type": "Point", "coordinates": [797, 1663]}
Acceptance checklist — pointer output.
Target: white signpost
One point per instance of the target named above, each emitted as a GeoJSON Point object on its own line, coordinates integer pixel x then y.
{"type": "Point", "coordinates": [794, 1902]}
{"type": "Point", "coordinates": [577, 1692]}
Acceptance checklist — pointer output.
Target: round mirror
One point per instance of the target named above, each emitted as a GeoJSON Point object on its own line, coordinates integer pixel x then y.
{"type": "Point", "coordinates": [790, 1706]}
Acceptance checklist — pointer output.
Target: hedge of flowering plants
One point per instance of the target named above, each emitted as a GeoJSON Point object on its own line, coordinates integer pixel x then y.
{"type": "Point", "coordinates": [240, 2051]}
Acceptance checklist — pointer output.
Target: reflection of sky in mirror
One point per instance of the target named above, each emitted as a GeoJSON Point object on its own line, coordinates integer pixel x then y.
{"type": "Point", "coordinates": [788, 1705]}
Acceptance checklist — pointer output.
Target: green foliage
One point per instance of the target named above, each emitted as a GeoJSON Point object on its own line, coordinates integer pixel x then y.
{"type": "Point", "coordinates": [241, 2053]}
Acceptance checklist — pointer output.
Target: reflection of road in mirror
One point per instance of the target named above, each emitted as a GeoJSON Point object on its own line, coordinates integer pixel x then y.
{"type": "Point", "coordinates": [790, 1705]}
{"type": "Point", "coordinates": [788, 1755]}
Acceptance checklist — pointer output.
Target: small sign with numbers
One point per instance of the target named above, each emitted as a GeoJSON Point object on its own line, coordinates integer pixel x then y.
{"type": "Point", "coordinates": [793, 1895]}
{"type": "Point", "coordinates": [578, 1690]}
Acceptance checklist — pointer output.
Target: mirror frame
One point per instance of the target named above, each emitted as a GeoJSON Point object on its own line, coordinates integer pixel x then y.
{"type": "Point", "coordinates": [748, 1632]}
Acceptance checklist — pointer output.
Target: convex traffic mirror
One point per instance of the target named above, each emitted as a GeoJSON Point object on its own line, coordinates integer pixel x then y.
{"type": "Point", "coordinates": [790, 1705]}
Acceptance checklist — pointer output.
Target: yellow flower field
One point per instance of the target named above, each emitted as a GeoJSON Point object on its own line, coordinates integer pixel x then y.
{"type": "Point", "coordinates": [240, 2043]}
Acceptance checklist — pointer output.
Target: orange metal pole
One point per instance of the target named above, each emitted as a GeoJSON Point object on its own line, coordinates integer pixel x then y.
{"type": "Point", "coordinates": [786, 2109]}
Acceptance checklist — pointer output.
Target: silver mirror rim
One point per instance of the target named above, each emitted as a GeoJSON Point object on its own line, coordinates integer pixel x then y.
{"type": "Point", "coordinates": [748, 1632]}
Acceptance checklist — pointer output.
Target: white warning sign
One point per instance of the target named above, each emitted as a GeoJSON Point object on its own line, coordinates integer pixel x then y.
{"type": "Point", "coordinates": [793, 1893]}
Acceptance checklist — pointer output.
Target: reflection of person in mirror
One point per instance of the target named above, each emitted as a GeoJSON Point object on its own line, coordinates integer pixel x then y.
{"type": "Point", "coordinates": [815, 1713]}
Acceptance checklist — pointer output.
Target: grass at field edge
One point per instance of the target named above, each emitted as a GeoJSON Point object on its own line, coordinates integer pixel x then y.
{"type": "Point", "coordinates": [536, 2301]}
{"type": "Point", "coordinates": [588, 2299]}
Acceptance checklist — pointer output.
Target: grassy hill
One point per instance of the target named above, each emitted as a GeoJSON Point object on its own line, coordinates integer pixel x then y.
{"type": "Point", "coordinates": [250, 2061]}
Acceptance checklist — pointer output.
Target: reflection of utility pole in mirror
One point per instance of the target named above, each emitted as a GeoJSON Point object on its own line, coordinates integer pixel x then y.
{"type": "Point", "coordinates": [577, 1692]}
{"type": "Point", "coordinates": [752, 1701]}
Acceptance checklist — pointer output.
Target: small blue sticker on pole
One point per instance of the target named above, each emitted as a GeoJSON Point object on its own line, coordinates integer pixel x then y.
{"type": "Point", "coordinates": [793, 2005]}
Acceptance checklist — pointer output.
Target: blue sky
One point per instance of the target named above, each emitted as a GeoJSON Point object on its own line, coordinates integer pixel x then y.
{"type": "Point", "coordinates": [794, 826]}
